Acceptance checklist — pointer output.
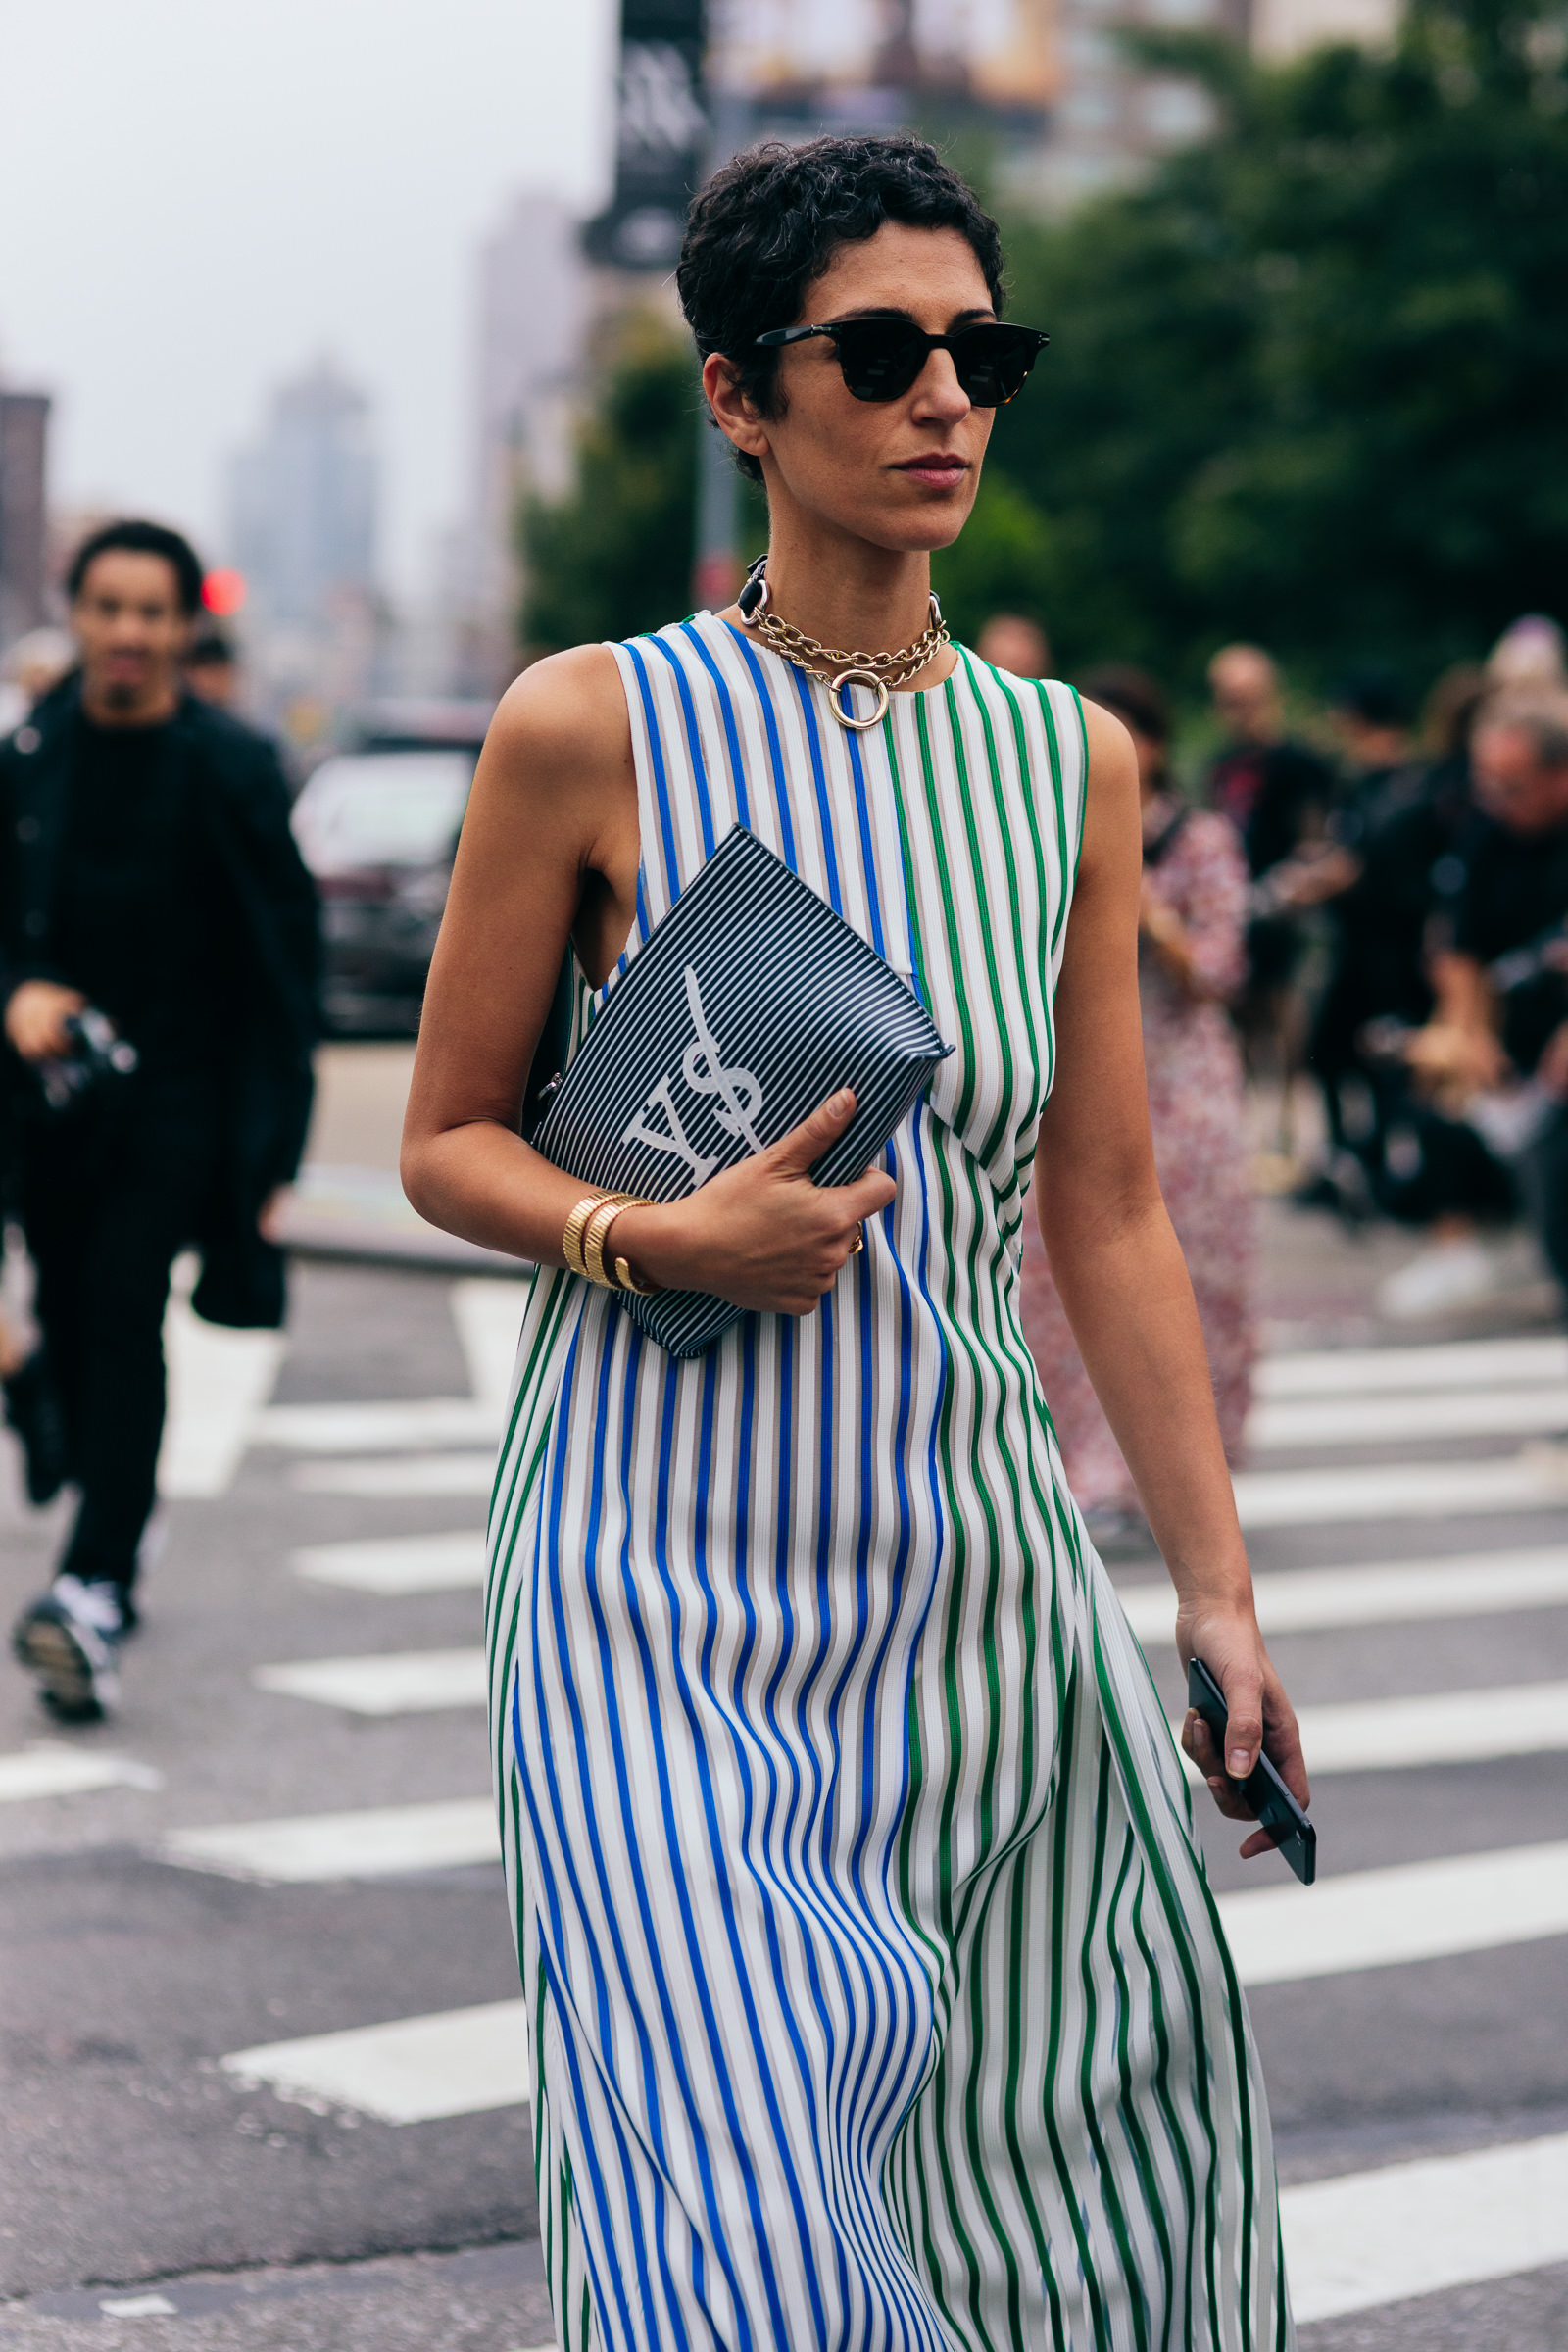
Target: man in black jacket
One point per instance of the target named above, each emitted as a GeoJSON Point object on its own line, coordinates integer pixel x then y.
{"type": "Point", "coordinates": [147, 874]}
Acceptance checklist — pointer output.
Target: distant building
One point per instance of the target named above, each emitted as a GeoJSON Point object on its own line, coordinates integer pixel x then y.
{"type": "Point", "coordinates": [1283, 28]}
{"type": "Point", "coordinates": [23, 453]}
{"type": "Point", "coordinates": [303, 501]}
{"type": "Point", "coordinates": [532, 322]}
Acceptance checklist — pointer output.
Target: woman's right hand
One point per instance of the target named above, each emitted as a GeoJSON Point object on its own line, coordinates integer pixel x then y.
{"type": "Point", "coordinates": [760, 1235]}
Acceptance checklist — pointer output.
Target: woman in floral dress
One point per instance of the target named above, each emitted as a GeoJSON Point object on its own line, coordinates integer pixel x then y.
{"type": "Point", "coordinates": [1191, 960]}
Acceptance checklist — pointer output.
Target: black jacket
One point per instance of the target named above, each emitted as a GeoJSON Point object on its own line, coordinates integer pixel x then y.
{"type": "Point", "coordinates": [266, 1089]}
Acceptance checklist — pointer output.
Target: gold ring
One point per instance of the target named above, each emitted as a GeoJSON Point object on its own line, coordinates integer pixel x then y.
{"type": "Point", "coordinates": [860, 1241]}
{"type": "Point", "coordinates": [862, 677]}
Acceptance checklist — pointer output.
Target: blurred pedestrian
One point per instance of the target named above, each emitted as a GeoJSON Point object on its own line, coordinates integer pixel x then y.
{"type": "Point", "coordinates": [1494, 1055]}
{"type": "Point", "coordinates": [30, 668]}
{"type": "Point", "coordinates": [1530, 653]}
{"type": "Point", "coordinates": [1373, 876]}
{"type": "Point", "coordinates": [1277, 793]}
{"type": "Point", "coordinates": [1191, 962]}
{"type": "Point", "coordinates": [1011, 641]}
{"type": "Point", "coordinates": [157, 949]}
{"type": "Point", "coordinates": [211, 668]}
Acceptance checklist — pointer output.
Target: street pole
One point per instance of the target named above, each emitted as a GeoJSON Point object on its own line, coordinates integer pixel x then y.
{"type": "Point", "coordinates": [716, 562]}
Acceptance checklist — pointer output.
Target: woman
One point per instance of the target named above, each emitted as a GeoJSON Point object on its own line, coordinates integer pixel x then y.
{"type": "Point", "coordinates": [877, 1997]}
{"type": "Point", "coordinates": [1192, 957]}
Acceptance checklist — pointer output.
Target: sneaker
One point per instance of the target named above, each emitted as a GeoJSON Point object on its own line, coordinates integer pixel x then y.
{"type": "Point", "coordinates": [1443, 1279]}
{"type": "Point", "coordinates": [68, 1639]}
{"type": "Point", "coordinates": [32, 1410]}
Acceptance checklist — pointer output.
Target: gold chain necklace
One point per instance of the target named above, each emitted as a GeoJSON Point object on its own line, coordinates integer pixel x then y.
{"type": "Point", "coordinates": [841, 669]}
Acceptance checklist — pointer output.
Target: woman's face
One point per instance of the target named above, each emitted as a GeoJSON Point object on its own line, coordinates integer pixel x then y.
{"type": "Point", "coordinates": [901, 473]}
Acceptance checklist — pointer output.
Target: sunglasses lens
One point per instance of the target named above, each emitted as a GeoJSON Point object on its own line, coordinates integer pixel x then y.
{"type": "Point", "coordinates": [880, 357]}
{"type": "Point", "coordinates": [992, 363]}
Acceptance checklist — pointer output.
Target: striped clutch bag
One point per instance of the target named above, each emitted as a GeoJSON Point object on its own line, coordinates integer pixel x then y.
{"type": "Point", "coordinates": [747, 1007]}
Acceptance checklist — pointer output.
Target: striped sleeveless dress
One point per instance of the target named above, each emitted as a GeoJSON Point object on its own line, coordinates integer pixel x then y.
{"type": "Point", "coordinates": [876, 1994]}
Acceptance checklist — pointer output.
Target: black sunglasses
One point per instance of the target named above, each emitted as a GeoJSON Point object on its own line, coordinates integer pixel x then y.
{"type": "Point", "coordinates": [881, 358]}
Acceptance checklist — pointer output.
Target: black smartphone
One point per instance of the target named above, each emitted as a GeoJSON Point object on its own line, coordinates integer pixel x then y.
{"type": "Point", "coordinates": [1276, 1808]}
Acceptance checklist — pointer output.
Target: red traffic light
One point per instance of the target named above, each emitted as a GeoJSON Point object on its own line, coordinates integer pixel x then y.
{"type": "Point", "coordinates": [224, 593]}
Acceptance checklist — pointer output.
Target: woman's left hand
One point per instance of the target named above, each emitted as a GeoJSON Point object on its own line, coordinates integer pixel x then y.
{"type": "Point", "coordinates": [1231, 1646]}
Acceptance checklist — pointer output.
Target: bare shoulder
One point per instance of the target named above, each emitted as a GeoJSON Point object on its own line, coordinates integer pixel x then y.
{"type": "Point", "coordinates": [568, 712]}
{"type": "Point", "coordinates": [1110, 747]}
{"type": "Point", "coordinates": [1112, 833]}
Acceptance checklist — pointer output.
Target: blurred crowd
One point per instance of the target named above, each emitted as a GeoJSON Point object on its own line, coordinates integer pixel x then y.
{"type": "Point", "coordinates": [1381, 909]}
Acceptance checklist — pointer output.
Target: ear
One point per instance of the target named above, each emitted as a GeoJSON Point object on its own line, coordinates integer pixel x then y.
{"type": "Point", "coordinates": [737, 419]}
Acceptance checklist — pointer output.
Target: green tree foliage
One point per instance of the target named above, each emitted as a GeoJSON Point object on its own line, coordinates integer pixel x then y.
{"type": "Point", "coordinates": [615, 556]}
{"type": "Point", "coordinates": [1309, 384]}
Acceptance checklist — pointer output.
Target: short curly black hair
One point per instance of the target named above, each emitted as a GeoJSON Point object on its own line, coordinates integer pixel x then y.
{"type": "Point", "coordinates": [138, 538]}
{"type": "Point", "coordinates": [769, 222]}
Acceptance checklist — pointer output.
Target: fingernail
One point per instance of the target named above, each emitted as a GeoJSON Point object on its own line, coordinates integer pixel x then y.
{"type": "Point", "coordinates": [1217, 1780]}
{"type": "Point", "coordinates": [1237, 1763]}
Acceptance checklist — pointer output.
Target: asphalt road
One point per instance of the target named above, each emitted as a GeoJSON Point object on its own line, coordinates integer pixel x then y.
{"type": "Point", "coordinates": [151, 2196]}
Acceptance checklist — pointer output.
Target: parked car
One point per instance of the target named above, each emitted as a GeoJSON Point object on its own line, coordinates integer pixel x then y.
{"type": "Point", "coordinates": [378, 829]}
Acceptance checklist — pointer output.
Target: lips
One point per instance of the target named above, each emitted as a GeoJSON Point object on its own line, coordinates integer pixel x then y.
{"type": "Point", "coordinates": [942, 471]}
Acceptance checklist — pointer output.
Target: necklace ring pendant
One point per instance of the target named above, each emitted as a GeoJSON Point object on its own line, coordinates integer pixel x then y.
{"type": "Point", "coordinates": [859, 677]}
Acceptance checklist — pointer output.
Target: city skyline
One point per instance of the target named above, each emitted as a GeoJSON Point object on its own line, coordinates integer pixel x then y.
{"type": "Point", "coordinates": [184, 255]}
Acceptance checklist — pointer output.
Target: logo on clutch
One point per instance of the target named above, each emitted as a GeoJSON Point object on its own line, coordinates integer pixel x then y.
{"type": "Point", "coordinates": [706, 1073]}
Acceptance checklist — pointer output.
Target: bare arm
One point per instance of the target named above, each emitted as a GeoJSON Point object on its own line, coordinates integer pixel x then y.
{"type": "Point", "coordinates": [549, 855]}
{"type": "Point", "coordinates": [1119, 1271]}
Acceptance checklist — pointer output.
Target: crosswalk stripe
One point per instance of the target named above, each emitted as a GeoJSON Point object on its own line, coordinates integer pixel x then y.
{"type": "Point", "coordinates": [1382, 1593]}
{"type": "Point", "coordinates": [1534, 1479]}
{"type": "Point", "coordinates": [218, 1383]}
{"type": "Point", "coordinates": [1436, 1727]}
{"type": "Point", "coordinates": [1415, 2229]}
{"type": "Point", "coordinates": [1465, 1364]}
{"type": "Point", "coordinates": [1411, 1911]}
{"type": "Point", "coordinates": [50, 1771]}
{"type": "Point", "coordinates": [414, 1474]}
{"type": "Point", "coordinates": [401, 1683]}
{"type": "Point", "coordinates": [488, 1313]}
{"type": "Point", "coordinates": [377, 1427]}
{"type": "Point", "coordinates": [398, 1563]}
{"type": "Point", "coordinates": [1539, 1412]}
{"type": "Point", "coordinates": [459, 2062]}
{"type": "Point", "coordinates": [377, 1843]}
{"type": "Point", "coordinates": [1441, 1726]}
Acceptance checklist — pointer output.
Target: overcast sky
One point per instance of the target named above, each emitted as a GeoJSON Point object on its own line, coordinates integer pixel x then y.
{"type": "Point", "coordinates": [199, 196]}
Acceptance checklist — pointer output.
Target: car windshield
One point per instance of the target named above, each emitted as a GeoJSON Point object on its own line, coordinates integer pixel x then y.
{"type": "Point", "coordinates": [382, 809]}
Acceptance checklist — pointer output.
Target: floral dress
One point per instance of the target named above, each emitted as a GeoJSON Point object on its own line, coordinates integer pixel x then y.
{"type": "Point", "coordinates": [1195, 1108]}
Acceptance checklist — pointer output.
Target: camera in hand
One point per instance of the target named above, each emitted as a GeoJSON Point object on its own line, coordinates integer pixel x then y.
{"type": "Point", "coordinates": [98, 1054]}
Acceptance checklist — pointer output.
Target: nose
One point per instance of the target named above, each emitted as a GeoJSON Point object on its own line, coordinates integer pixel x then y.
{"type": "Point", "coordinates": [938, 393]}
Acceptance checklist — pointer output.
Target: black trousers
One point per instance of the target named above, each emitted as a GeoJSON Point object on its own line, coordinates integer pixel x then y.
{"type": "Point", "coordinates": [110, 1192]}
{"type": "Point", "coordinates": [1544, 1181]}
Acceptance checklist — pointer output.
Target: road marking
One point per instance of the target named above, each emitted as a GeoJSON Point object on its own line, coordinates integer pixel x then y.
{"type": "Point", "coordinates": [1415, 2229]}
{"type": "Point", "coordinates": [218, 1383]}
{"type": "Point", "coordinates": [1382, 1593]}
{"type": "Point", "coordinates": [488, 1315]}
{"type": "Point", "coordinates": [1534, 1479]}
{"type": "Point", "coordinates": [386, 1427]}
{"type": "Point", "coordinates": [1413, 1911]}
{"type": "Point", "coordinates": [402, 1683]}
{"type": "Point", "coordinates": [370, 1844]}
{"type": "Point", "coordinates": [1467, 1364]}
{"type": "Point", "coordinates": [1540, 1411]}
{"type": "Point", "coordinates": [416, 1474]}
{"type": "Point", "coordinates": [1439, 1727]}
{"type": "Point", "coordinates": [50, 1771]}
{"type": "Point", "coordinates": [138, 2307]}
{"type": "Point", "coordinates": [459, 2062]}
{"type": "Point", "coordinates": [1436, 1727]}
{"type": "Point", "coordinates": [407, 1563]}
